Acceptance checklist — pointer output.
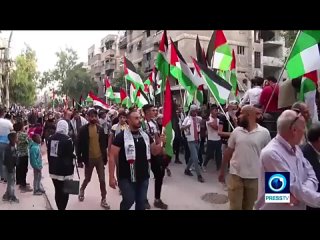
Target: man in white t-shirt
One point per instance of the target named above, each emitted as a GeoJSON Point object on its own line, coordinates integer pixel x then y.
{"type": "Point", "coordinates": [214, 128]}
{"type": "Point", "coordinates": [243, 153]}
{"type": "Point", "coordinates": [5, 128]}
{"type": "Point", "coordinates": [253, 94]}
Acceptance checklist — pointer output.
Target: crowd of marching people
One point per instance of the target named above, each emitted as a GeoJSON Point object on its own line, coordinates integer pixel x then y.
{"type": "Point", "coordinates": [131, 142]}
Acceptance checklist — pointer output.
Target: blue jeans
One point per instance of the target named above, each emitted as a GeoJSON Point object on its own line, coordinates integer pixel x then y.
{"type": "Point", "coordinates": [194, 148]}
{"type": "Point", "coordinates": [37, 180]}
{"type": "Point", "coordinates": [11, 178]}
{"type": "Point", "coordinates": [133, 193]}
{"type": "Point", "coordinates": [2, 150]}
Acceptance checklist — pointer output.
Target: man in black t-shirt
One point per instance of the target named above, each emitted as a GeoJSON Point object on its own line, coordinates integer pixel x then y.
{"type": "Point", "coordinates": [133, 189]}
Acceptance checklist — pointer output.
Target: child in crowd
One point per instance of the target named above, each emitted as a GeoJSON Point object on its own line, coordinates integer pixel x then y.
{"type": "Point", "coordinates": [36, 163]}
{"type": "Point", "coordinates": [10, 161]}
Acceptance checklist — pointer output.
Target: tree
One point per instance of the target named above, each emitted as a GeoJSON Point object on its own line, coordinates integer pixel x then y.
{"type": "Point", "coordinates": [289, 37]}
{"type": "Point", "coordinates": [71, 77]}
{"type": "Point", "coordinates": [24, 78]}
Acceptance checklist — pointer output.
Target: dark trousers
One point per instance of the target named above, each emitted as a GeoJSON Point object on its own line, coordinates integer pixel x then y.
{"type": "Point", "coordinates": [133, 193]}
{"type": "Point", "coordinates": [201, 150]}
{"type": "Point", "coordinates": [158, 168]}
{"type": "Point", "coordinates": [88, 169]}
{"type": "Point", "coordinates": [214, 151]}
{"type": "Point", "coordinates": [176, 147]}
{"type": "Point", "coordinates": [22, 169]}
{"type": "Point", "coordinates": [186, 150]}
{"type": "Point", "coordinates": [60, 197]}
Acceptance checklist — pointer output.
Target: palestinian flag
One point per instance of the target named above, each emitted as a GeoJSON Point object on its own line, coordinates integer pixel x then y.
{"type": "Point", "coordinates": [163, 58]}
{"type": "Point", "coordinates": [131, 74]}
{"type": "Point", "coordinates": [141, 99]}
{"type": "Point", "coordinates": [180, 70]}
{"type": "Point", "coordinates": [305, 54]}
{"type": "Point", "coordinates": [98, 102]}
{"type": "Point", "coordinates": [222, 57]}
{"type": "Point", "coordinates": [109, 91]}
{"type": "Point", "coordinates": [233, 75]}
{"type": "Point", "coordinates": [117, 97]}
{"type": "Point", "coordinates": [124, 99]}
{"type": "Point", "coordinates": [219, 88]}
{"type": "Point", "coordinates": [167, 120]}
{"type": "Point", "coordinates": [133, 93]}
{"type": "Point", "coordinates": [308, 90]}
{"type": "Point", "coordinates": [188, 99]}
{"type": "Point", "coordinates": [210, 49]}
{"type": "Point", "coordinates": [149, 83]}
{"type": "Point", "coordinates": [201, 57]}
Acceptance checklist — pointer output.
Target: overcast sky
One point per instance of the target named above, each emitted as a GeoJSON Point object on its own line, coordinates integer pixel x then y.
{"type": "Point", "coordinates": [47, 43]}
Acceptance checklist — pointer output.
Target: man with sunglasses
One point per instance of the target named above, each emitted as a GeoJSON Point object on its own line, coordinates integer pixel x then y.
{"type": "Point", "coordinates": [283, 154]}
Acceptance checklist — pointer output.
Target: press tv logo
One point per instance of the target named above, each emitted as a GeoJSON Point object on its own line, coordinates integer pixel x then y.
{"type": "Point", "coordinates": [277, 187]}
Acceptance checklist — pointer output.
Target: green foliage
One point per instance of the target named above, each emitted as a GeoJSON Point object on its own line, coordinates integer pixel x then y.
{"type": "Point", "coordinates": [23, 79]}
{"type": "Point", "coordinates": [72, 78]}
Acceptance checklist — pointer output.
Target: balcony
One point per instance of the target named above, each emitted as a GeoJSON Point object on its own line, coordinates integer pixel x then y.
{"type": "Point", "coordinates": [123, 43]}
{"type": "Point", "coordinates": [109, 66]}
{"type": "Point", "coordinates": [108, 53]}
{"type": "Point", "coordinates": [272, 62]}
{"type": "Point", "coordinates": [97, 70]}
{"type": "Point", "coordinates": [273, 43]}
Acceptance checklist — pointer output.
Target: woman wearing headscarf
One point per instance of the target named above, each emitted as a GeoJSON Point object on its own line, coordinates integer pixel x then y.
{"type": "Point", "coordinates": [61, 164]}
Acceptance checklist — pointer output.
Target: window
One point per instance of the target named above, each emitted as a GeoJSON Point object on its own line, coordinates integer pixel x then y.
{"type": "Point", "coordinates": [140, 64]}
{"type": "Point", "coordinates": [102, 49]}
{"type": "Point", "coordinates": [148, 56]}
{"type": "Point", "coordinates": [148, 33]}
{"type": "Point", "coordinates": [257, 36]}
{"type": "Point", "coordinates": [139, 45]}
{"type": "Point", "coordinates": [240, 50]}
{"type": "Point", "coordinates": [130, 48]}
{"type": "Point", "coordinates": [257, 59]}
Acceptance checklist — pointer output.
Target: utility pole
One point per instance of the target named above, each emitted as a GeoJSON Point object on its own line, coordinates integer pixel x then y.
{"type": "Point", "coordinates": [7, 64]}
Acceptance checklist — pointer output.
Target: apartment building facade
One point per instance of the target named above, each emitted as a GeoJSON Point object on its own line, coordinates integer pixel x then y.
{"type": "Point", "coordinates": [258, 53]}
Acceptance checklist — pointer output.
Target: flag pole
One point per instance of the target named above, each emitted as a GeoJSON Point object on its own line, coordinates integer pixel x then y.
{"type": "Point", "coordinates": [282, 71]}
{"type": "Point", "coordinates": [221, 108]}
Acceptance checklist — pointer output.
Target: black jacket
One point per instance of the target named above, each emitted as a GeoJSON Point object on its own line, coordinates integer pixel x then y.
{"type": "Point", "coordinates": [62, 164]}
{"type": "Point", "coordinates": [10, 158]}
{"type": "Point", "coordinates": [83, 144]}
{"type": "Point", "coordinates": [311, 155]}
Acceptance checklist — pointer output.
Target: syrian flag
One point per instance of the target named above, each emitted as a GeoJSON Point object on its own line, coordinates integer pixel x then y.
{"type": "Point", "coordinates": [158, 87]}
{"type": "Point", "coordinates": [305, 54]}
{"type": "Point", "coordinates": [131, 74]}
{"type": "Point", "coordinates": [180, 70]}
{"type": "Point", "coordinates": [219, 88]}
{"type": "Point", "coordinates": [163, 59]}
{"type": "Point", "coordinates": [308, 90]}
{"type": "Point", "coordinates": [222, 57]}
{"type": "Point", "coordinates": [109, 91]}
{"type": "Point", "coordinates": [168, 115]}
{"type": "Point", "coordinates": [97, 101]}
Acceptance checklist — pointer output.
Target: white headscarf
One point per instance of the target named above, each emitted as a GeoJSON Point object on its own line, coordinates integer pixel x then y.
{"type": "Point", "coordinates": [62, 127]}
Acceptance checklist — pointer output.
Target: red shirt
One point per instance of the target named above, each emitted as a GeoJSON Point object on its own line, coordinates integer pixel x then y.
{"type": "Point", "coordinates": [265, 96]}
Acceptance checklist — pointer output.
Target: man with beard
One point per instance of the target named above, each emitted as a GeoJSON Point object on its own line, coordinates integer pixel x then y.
{"type": "Point", "coordinates": [132, 148]}
{"type": "Point", "coordinates": [243, 152]}
{"type": "Point", "coordinates": [92, 151]}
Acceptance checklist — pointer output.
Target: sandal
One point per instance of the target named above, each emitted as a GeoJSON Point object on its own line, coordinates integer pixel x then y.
{"type": "Point", "coordinates": [81, 196]}
{"type": "Point", "coordinates": [104, 204]}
